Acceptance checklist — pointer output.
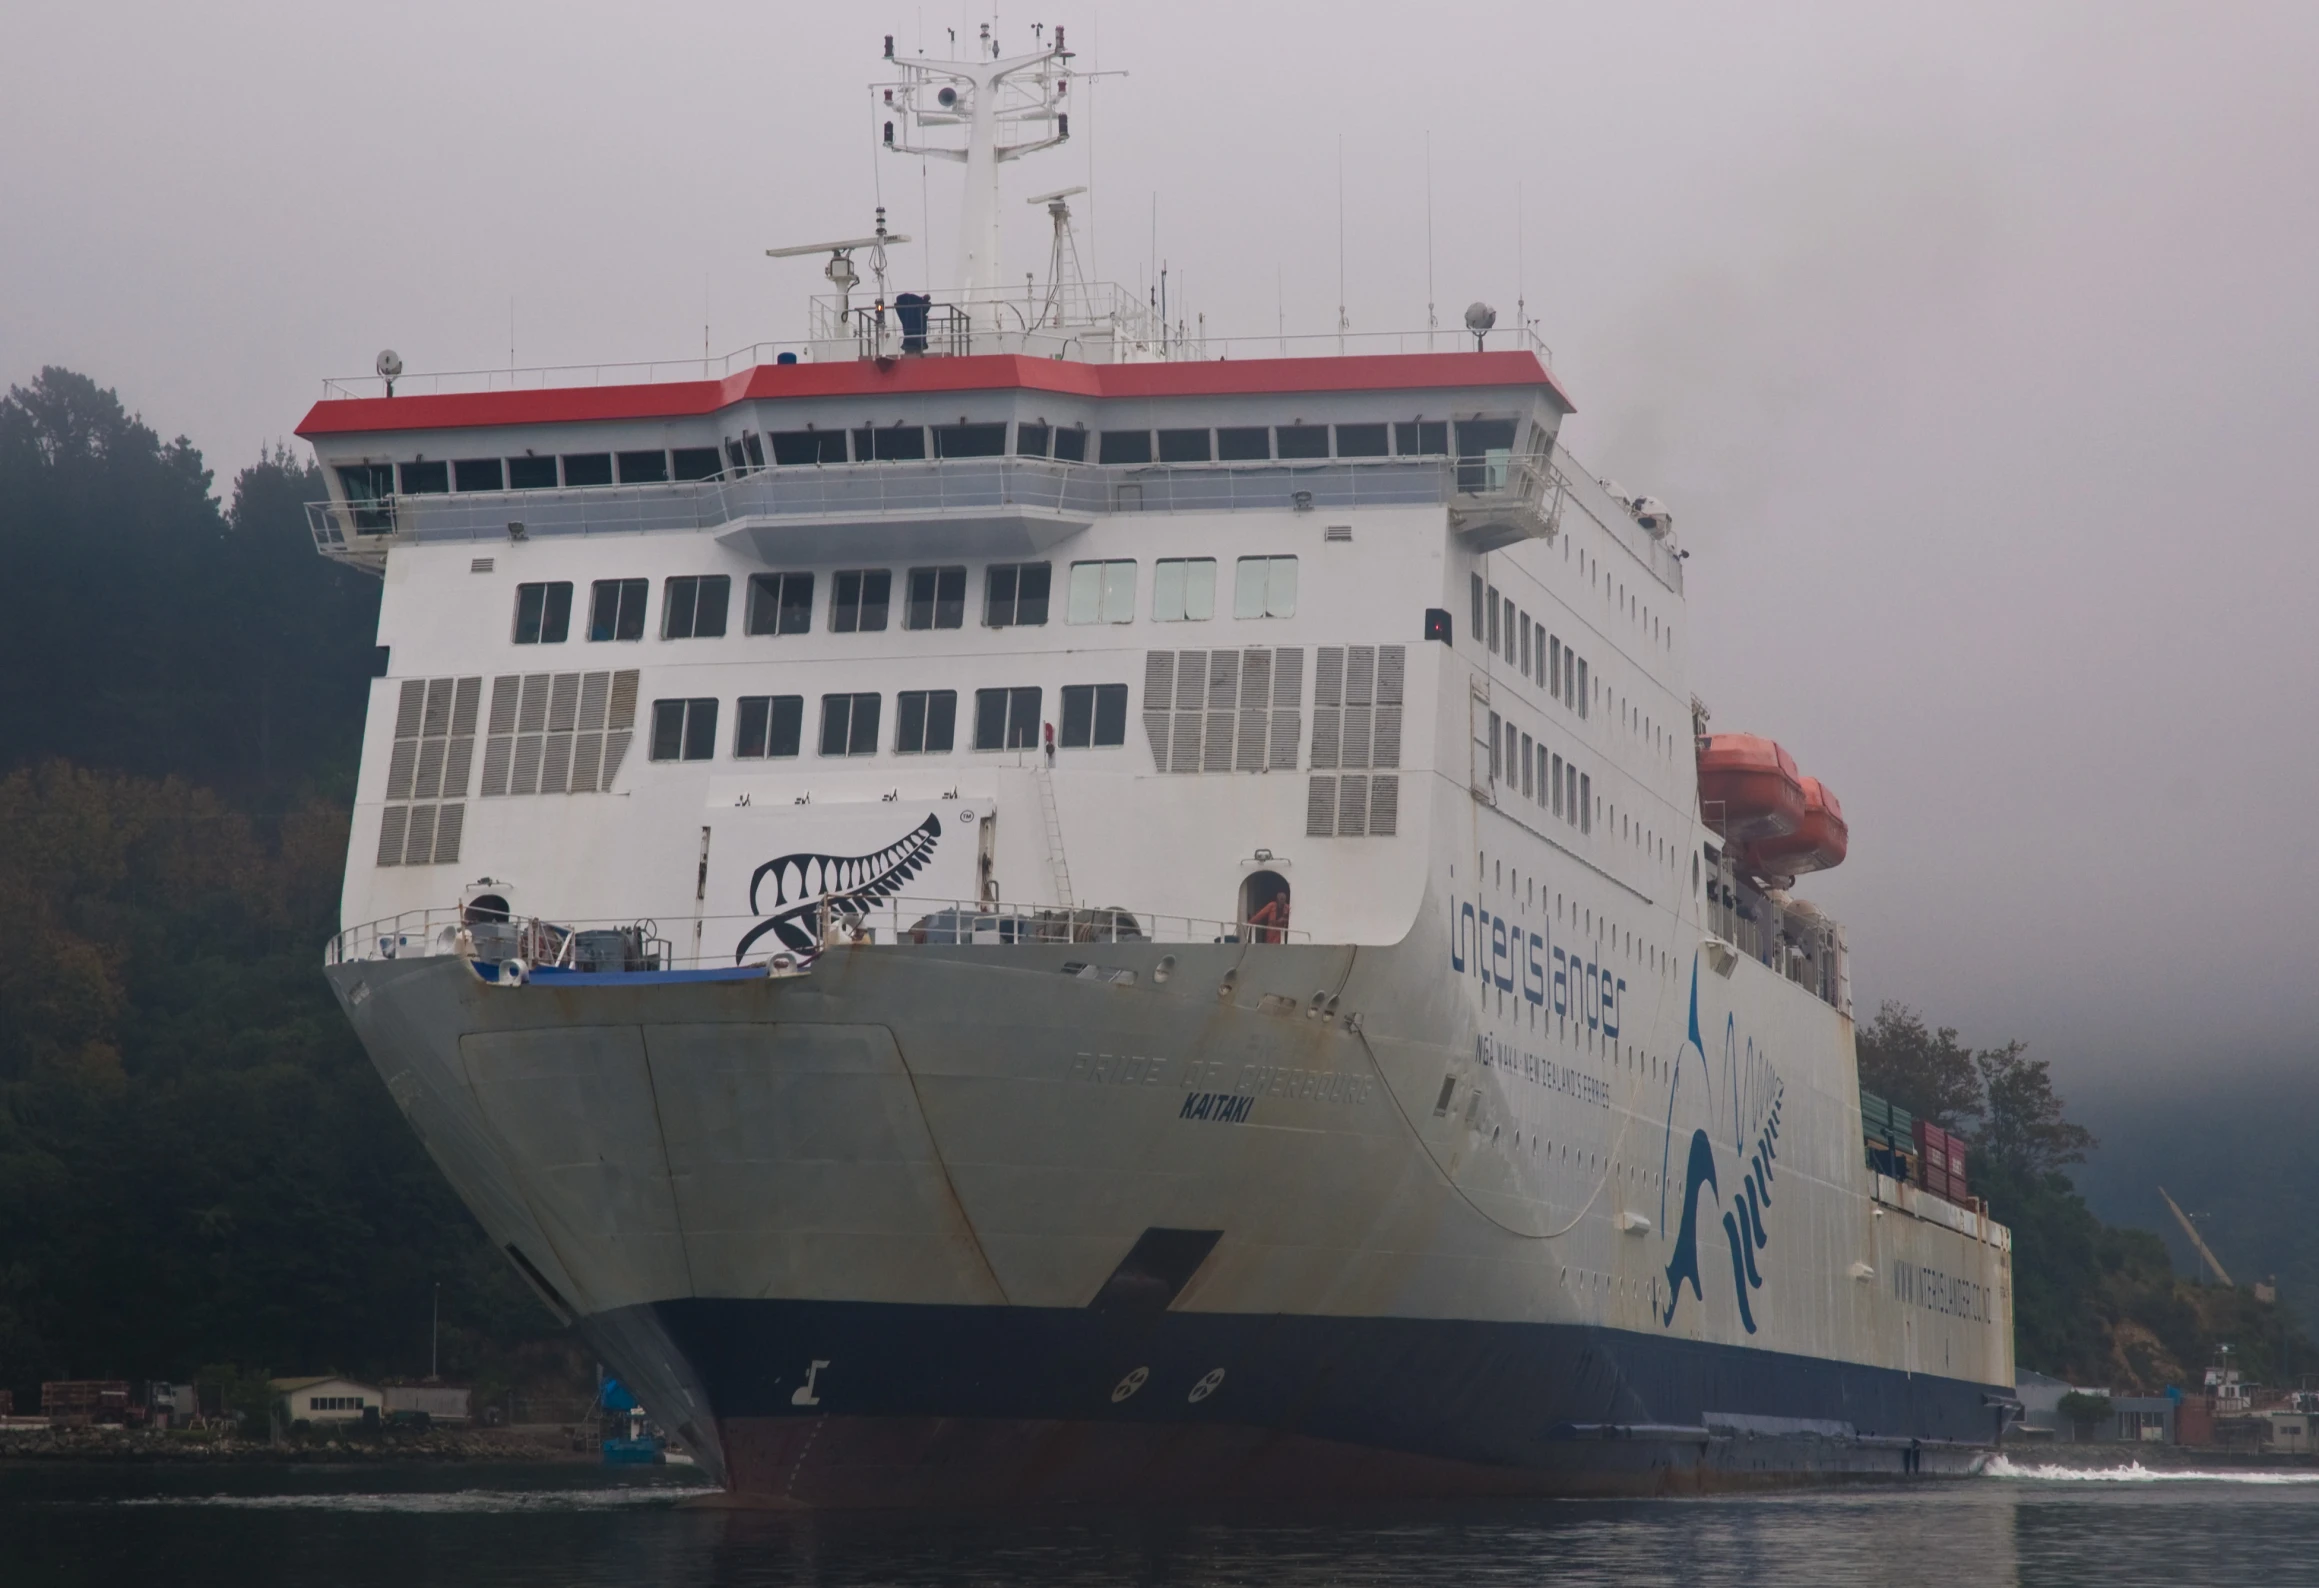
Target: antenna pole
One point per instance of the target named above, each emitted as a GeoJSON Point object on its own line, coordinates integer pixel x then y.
{"type": "Point", "coordinates": [1430, 321]}
{"type": "Point", "coordinates": [1343, 324]}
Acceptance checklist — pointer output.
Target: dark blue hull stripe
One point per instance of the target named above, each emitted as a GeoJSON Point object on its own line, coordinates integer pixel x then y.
{"type": "Point", "coordinates": [1499, 1394]}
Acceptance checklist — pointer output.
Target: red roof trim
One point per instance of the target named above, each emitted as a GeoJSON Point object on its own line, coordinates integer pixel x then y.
{"type": "Point", "coordinates": [1000, 372]}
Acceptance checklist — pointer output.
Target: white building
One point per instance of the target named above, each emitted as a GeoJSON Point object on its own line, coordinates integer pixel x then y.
{"type": "Point", "coordinates": [327, 1399]}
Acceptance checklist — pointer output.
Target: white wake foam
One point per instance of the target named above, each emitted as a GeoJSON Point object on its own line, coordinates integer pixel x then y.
{"type": "Point", "coordinates": [457, 1500]}
{"type": "Point", "coordinates": [2132, 1472]}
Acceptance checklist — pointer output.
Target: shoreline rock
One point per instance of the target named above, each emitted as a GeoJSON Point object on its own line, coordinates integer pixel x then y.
{"type": "Point", "coordinates": [351, 1448]}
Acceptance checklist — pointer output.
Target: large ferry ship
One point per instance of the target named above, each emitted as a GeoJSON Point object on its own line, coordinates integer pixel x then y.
{"type": "Point", "coordinates": [1011, 902]}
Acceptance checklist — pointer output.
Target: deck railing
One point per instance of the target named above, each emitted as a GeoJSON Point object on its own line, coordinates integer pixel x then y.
{"type": "Point", "coordinates": [633, 944]}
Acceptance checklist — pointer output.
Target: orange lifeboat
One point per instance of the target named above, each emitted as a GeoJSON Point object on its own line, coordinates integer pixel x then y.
{"type": "Point", "coordinates": [1817, 844]}
{"type": "Point", "coordinates": [1749, 789]}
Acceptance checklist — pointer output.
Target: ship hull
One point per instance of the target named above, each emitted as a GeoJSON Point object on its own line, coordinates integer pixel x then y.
{"type": "Point", "coordinates": [941, 1406]}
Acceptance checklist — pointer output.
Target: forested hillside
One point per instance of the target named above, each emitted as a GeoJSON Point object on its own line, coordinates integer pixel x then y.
{"type": "Point", "coordinates": [198, 1166]}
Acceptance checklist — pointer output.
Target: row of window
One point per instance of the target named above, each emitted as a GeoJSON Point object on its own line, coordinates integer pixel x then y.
{"type": "Point", "coordinates": [1510, 632]}
{"type": "Point", "coordinates": [1014, 595]}
{"type": "Point", "coordinates": [1476, 439]}
{"type": "Point", "coordinates": [772, 727]}
{"type": "Point", "coordinates": [1553, 784]}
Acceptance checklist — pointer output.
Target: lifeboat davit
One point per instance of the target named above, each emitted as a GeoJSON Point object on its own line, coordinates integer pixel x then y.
{"type": "Point", "coordinates": [1749, 788]}
{"type": "Point", "coordinates": [1817, 844]}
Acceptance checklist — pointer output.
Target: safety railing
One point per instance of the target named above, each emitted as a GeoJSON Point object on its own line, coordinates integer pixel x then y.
{"type": "Point", "coordinates": [813, 925]}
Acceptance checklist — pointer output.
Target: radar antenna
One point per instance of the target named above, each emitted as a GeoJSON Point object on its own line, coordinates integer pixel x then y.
{"type": "Point", "coordinates": [840, 269]}
{"type": "Point", "coordinates": [1065, 281]}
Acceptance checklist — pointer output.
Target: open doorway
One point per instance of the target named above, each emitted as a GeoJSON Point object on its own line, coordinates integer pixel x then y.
{"type": "Point", "coordinates": [1264, 906]}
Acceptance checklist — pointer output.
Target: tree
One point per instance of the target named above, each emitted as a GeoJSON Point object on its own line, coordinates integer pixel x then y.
{"type": "Point", "coordinates": [1925, 1071]}
{"type": "Point", "coordinates": [2021, 1127]}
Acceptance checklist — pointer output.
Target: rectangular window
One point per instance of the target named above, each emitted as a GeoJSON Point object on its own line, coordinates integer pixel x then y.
{"type": "Point", "coordinates": [1094, 716]}
{"type": "Point", "coordinates": [1361, 441]}
{"type": "Point", "coordinates": [926, 721]}
{"type": "Point", "coordinates": [587, 468]}
{"type": "Point", "coordinates": [1014, 594]}
{"type": "Point", "coordinates": [1125, 446]}
{"type": "Point", "coordinates": [1528, 791]}
{"type": "Point", "coordinates": [1525, 645]}
{"type": "Point", "coordinates": [1509, 630]}
{"type": "Point", "coordinates": [937, 599]}
{"type": "Point", "coordinates": [754, 448]}
{"type": "Point", "coordinates": [1582, 690]}
{"type": "Point", "coordinates": [768, 726]}
{"type": "Point", "coordinates": [1421, 438]}
{"type": "Point", "coordinates": [543, 613]}
{"type": "Point", "coordinates": [531, 474]}
{"type": "Point", "coordinates": [1264, 587]}
{"type": "Point", "coordinates": [1243, 443]}
{"type": "Point", "coordinates": [479, 474]}
{"type": "Point", "coordinates": [1545, 788]}
{"type": "Point", "coordinates": [807, 446]}
{"type": "Point", "coordinates": [780, 603]}
{"type": "Point", "coordinates": [894, 444]}
{"type": "Point", "coordinates": [1554, 664]}
{"type": "Point", "coordinates": [849, 724]}
{"type": "Point", "coordinates": [694, 608]}
{"type": "Point", "coordinates": [426, 479]}
{"type": "Point", "coordinates": [1496, 772]}
{"type": "Point", "coordinates": [697, 463]}
{"type": "Point", "coordinates": [684, 730]}
{"type": "Point", "coordinates": [1557, 785]}
{"type": "Point", "coordinates": [1183, 446]}
{"type": "Point", "coordinates": [1183, 589]}
{"type": "Point", "coordinates": [858, 601]}
{"type": "Point", "coordinates": [1102, 592]}
{"type": "Point", "coordinates": [1031, 440]}
{"type": "Point", "coordinates": [1484, 448]}
{"type": "Point", "coordinates": [643, 468]}
{"type": "Point", "coordinates": [1006, 719]}
{"type": "Point", "coordinates": [1302, 441]}
{"type": "Point", "coordinates": [970, 441]}
{"type": "Point", "coordinates": [1071, 445]}
{"type": "Point", "coordinates": [1585, 803]}
{"type": "Point", "coordinates": [1493, 619]}
{"type": "Point", "coordinates": [1479, 610]}
{"type": "Point", "coordinates": [616, 609]}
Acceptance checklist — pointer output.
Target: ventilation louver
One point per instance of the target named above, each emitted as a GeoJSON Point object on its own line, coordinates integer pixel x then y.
{"type": "Point", "coordinates": [428, 770]}
{"type": "Point", "coordinates": [1356, 735]}
{"type": "Point", "coordinates": [1224, 711]}
{"type": "Point", "coordinates": [558, 733]}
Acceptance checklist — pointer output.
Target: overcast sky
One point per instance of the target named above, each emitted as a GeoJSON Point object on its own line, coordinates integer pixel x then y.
{"type": "Point", "coordinates": [1972, 346]}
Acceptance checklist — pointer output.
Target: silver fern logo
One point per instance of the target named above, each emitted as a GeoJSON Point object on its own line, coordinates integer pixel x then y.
{"type": "Point", "coordinates": [848, 887]}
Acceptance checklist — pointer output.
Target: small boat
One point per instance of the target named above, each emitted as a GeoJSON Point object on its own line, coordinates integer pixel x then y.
{"type": "Point", "coordinates": [1818, 843]}
{"type": "Point", "coordinates": [1749, 788]}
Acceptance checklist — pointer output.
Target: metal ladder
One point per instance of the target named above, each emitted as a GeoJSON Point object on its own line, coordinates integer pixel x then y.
{"type": "Point", "coordinates": [1044, 776]}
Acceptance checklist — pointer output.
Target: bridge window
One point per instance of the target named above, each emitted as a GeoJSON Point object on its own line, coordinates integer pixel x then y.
{"type": "Point", "coordinates": [894, 444]}
{"type": "Point", "coordinates": [684, 730]}
{"type": "Point", "coordinates": [426, 479]}
{"type": "Point", "coordinates": [808, 446]}
{"type": "Point", "coordinates": [1125, 446]}
{"type": "Point", "coordinates": [479, 474]}
{"type": "Point", "coordinates": [1264, 587]}
{"type": "Point", "coordinates": [1094, 715]}
{"type": "Point", "coordinates": [1032, 441]}
{"type": "Point", "coordinates": [543, 613]}
{"type": "Point", "coordinates": [858, 601]}
{"type": "Point", "coordinates": [767, 726]}
{"type": "Point", "coordinates": [616, 609]}
{"type": "Point", "coordinates": [1014, 594]}
{"type": "Point", "coordinates": [1183, 589]}
{"type": "Point", "coordinates": [531, 474]}
{"type": "Point", "coordinates": [849, 724]}
{"type": "Point", "coordinates": [1071, 445]}
{"type": "Point", "coordinates": [587, 468]}
{"type": "Point", "coordinates": [643, 468]}
{"type": "Point", "coordinates": [1361, 441]}
{"type": "Point", "coordinates": [970, 441]}
{"type": "Point", "coordinates": [694, 608]}
{"type": "Point", "coordinates": [1302, 441]}
{"type": "Point", "coordinates": [1006, 719]}
{"type": "Point", "coordinates": [1183, 446]}
{"type": "Point", "coordinates": [697, 463]}
{"type": "Point", "coordinates": [937, 599]}
{"type": "Point", "coordinates": [780, 603]}
{"type": "Point", "coordinates": [1102, 592]}
{"type": "Point", "coordinates": [1243, 443]}
{"type": "Point", "coordinates": [1421, 438]}
{"type": "Point", "coordinates": [926, 721]}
